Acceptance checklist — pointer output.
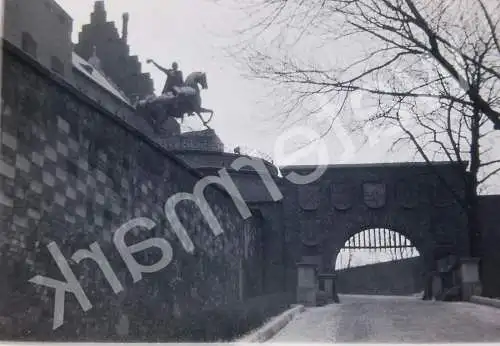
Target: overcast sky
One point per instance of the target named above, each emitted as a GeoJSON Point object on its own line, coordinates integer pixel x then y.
{"type": "Point", "coordinates": [196, 33]}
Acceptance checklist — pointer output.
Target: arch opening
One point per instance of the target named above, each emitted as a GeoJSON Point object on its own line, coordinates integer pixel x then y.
{"type": "Point", "coordinates": [379, 261]}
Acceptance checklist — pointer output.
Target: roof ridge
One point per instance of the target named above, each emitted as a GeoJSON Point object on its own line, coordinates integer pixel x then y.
{"type": "Point", "coordinates": [112, 88]}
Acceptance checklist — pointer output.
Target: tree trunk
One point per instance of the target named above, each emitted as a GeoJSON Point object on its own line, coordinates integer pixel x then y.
{"type": "Point", "coordinates": [472, 197]}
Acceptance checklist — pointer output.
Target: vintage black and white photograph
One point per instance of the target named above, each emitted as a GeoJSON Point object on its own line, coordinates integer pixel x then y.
{"type": "Point", "coordinates": [250, 171]}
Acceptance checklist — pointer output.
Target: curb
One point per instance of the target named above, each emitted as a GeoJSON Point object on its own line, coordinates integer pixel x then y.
{"type": "Point", "coordinates": [485, 301]}
{"type": "Point", "coordinates": [272, 327]}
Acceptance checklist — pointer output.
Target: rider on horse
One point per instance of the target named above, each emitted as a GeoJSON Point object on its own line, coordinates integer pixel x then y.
{"type": "Point", "coordinates": [174, 77]}
{"type": "Point", "coordinates": [179, 97]}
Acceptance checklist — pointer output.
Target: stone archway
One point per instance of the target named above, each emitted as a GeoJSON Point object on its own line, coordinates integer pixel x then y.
{"type": "Point", "coordinates": [410, 198]}
{"type": "Point", "coordinates": [379, 261]}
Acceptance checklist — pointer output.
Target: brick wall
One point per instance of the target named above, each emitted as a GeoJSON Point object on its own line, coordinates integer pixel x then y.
{"type": "Point", "coordinates": [72, 174]}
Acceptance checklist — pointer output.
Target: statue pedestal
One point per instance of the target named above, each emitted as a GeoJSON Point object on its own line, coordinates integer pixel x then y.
{"type": "Point", "coordinates": [306, 283]}
{"type": "Point", "coordinates": [469, 274]}
{"type": "Point", "coordinates": [311, 259]}
{"type": "Point", "coordinates": [328, 280]}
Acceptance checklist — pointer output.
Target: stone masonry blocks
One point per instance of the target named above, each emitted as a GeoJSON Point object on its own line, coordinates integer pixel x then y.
{"type": "Point", "coordinates": [71, 175]}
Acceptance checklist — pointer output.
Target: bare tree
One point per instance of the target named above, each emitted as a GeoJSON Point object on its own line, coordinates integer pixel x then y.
{"type": "Point", "coordinates": [430, 68]}
{"type": "Point", "coordinates": [406, 32]}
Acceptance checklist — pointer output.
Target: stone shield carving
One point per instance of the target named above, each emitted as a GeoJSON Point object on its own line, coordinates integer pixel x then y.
{"type": "Point", "coordinates": [408, 193]}
{"type": "Point", "coordinates": [375, 195]}
{"type": "Point", "coordinates": [309, 197]}
{"type": "Point", "coordinates": [342, 194]}
{"type": "Point", "coordinates": [309, 232]}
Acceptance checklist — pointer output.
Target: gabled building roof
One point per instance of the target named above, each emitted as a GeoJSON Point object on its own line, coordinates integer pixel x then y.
{"type": "Point", "coordinates": [124, 69]}
{"type": "Point", "coordinates": [98, 77]}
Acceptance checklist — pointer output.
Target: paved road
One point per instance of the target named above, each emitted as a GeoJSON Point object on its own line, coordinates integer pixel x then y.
{"type": "Point", "coordinates": [393, 319]}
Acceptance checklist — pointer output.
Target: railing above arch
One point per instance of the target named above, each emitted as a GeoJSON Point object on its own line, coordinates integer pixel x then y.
{"type": "Point", "coordinates": [378, 238]}
{"type": "Point", "coordinates": [375, 245]}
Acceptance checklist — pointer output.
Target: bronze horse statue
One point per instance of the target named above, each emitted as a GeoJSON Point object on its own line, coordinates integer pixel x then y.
{"type": "Point", "coordinates": [186, 101]}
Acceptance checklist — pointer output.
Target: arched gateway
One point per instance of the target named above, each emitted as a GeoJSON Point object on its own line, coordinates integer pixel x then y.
{"type": "Point", "coordinates": [379, 261]}
{"type": "Point", "coordinates": [415, 199]}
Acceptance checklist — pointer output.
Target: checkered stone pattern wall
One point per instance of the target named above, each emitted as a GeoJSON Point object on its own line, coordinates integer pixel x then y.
{"type": "Point", "coordinates": [70, 174]}
{"type": "Point", "coordinates": [56, 178]}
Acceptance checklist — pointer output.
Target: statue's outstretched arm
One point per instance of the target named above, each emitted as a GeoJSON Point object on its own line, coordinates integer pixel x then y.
{"type": "Point", "coordinates": [163, 69]}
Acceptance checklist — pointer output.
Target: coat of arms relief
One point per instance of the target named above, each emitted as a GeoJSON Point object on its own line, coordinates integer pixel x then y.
{"type": "Point", "coordinates": [375, 194]}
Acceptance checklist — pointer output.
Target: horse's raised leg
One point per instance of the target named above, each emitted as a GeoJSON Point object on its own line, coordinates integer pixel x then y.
{"type": "Point", "coordinates": [203, 121]}
{"type": "Point", "coordinates": [206, 110]}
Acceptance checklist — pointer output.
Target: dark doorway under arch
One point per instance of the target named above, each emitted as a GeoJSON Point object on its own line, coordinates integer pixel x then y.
{"type": "Point", "coordinates": [379, 261]}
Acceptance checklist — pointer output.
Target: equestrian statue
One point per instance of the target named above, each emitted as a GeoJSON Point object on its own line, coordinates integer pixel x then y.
{"type": "Point", "coordinates": [179, 97]}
